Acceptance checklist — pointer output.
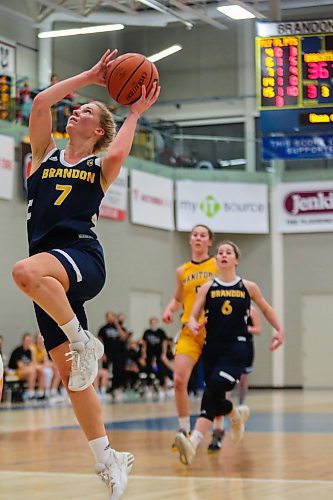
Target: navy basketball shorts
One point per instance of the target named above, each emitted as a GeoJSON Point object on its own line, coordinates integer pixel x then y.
{"type": "Point", "coordinates": [85, 268]}
{"type": "Point", "coordinates": [226, 361]}
{"type": "Point", "coordinates": [250, 359]}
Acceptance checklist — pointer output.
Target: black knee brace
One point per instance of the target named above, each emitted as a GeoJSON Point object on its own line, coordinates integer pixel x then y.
{"type": "Point", "coordinates": [224, 407]}
{"type": "Point", "coordinates": [213, 399]}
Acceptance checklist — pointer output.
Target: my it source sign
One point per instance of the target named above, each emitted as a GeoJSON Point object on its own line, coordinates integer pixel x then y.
{"type": "Point", "coordinates": [231, 207]}
{"type": "Point", "coordinates": [305, 207]}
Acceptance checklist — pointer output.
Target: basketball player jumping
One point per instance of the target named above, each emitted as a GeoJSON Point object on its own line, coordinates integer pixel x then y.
{"type": "Point", "coordinates": [66, 265]}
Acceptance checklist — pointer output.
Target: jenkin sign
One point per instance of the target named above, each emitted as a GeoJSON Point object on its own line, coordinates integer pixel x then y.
{"type": "Point", "coordinates": [305, 207]}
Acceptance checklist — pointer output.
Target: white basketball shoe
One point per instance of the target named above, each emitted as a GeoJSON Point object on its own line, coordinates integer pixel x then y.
{"type": "Point", "coordinates": [84, 359]}
{"type": "Point", "coordinates": [115, 472]}
{"type": "Point", "coordinates": [185, 448]}
{"type": "Point", "coordinates": [238, 426]}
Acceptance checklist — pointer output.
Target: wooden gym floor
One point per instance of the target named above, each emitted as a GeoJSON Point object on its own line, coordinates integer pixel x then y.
{"type": "Point", "coordinates": [287, 452]}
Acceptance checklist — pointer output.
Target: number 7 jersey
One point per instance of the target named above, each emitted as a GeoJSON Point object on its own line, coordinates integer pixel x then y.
{"type": "Point", "coordinates": [63, 202]}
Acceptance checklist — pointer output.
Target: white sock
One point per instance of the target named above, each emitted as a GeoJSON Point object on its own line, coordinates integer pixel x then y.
{"type": "Point", "coordinates": [100, 448]}
{"type": "Point", "coordinates": [184, 424]}
{"type": "Point", "coordinates": [218, 424]}
{"type": "Point", "coordinates": [74, 331]}
{"type": "Point", "coordinates": [196, 438]}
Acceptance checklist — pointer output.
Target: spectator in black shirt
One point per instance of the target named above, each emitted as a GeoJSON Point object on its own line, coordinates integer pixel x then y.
{"type": "Point", "coordinates": [114, 338]}
{"type": "Point", "coordinates": [154, 338]}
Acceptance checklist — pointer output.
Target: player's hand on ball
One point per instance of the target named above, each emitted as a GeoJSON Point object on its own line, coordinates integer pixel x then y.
{"type": "Point", "coordinates": [97, 74]}
{"type": "Point", "coordinates": [145, 101]}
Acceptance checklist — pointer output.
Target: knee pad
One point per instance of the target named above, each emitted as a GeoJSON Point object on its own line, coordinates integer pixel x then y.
{"type": "Point", "coordinates": [213, 399]}
{"type": "Point", "coordinates": [224, 407]}
{"type": "Point", "coordinates": [208, 404]}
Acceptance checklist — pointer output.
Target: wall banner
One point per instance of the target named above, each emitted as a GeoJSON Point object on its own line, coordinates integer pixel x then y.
{"type": "Point", "coordinates": [224, 207]}
{"type": "Point", "coordinates": [305, 207]}
{"type": "Point", "coordinates": [114, 203]}
{"type": "Point", "coordinates": [7, 155]}
{"type": "Point", "coordinates": [297, 147]}
{"type": "Point", "coordinates": [152, 200]}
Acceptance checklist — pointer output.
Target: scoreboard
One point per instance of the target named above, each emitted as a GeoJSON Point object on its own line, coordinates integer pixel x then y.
{"type": "Point", "coordinates": [294, 71]}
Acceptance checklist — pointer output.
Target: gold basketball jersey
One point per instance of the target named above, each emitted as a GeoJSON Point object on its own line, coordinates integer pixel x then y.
{"type": "Point", "coordinates": [192, 277]}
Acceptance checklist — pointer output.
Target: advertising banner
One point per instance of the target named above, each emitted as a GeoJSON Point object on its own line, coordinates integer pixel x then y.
{"type": "Point", "coordinates": [152, 200]}
{"type": "Point", "coordinates": [114, 203]}
{"type": "Point", "coordinates": [297, 147]}
{"type": "Point", "coordinates": [225, 208]}
{"type": "Point", "coordinates": [7, 155]}
{"type": "Point", "coordinates": [305, 207]}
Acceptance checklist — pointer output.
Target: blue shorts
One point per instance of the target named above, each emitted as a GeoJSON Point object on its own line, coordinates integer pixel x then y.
{"type": "Point", "coordinates": [230, 360]}
{"type": "Point", "coordinates": [85, 267]}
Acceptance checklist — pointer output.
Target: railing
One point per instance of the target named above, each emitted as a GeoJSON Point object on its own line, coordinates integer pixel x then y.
{"type": "Point", "coordinates": [196, 147]}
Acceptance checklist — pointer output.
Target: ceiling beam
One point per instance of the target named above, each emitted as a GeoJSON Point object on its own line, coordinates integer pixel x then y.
{"type": "Point", "coordinates": [60, 8]}
{"type": "Point", "coordinates": [195, 13]}
{"type": "Point", "coordinates": [120, 6]}
{"type": "Point", "coordinates": [154, 4]}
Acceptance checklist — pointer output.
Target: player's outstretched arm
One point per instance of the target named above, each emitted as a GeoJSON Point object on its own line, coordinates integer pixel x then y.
{"type": "Point", "coordinates": [40, 122]}
{"type": "Point", "coordinates": [268, 312]}
{"type": "Point", "coordinates": [122, 144]}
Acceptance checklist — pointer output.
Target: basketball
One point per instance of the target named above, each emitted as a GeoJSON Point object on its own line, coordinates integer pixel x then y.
{"type": "Point", "coordinates": [127, 74]}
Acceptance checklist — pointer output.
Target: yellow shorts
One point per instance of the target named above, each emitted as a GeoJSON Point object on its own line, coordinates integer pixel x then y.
{"type": "Point", "coordinates": [191, 344]}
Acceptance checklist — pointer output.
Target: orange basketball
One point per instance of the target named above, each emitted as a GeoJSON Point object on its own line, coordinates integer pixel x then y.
{"type": "Point", "coordinates": [127, 74]}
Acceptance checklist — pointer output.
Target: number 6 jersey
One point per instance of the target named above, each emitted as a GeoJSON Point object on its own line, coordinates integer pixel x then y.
{"type": "Point", "coordinates": [227, 308]}
{"type": "Point", "coordinates": [63, 202]}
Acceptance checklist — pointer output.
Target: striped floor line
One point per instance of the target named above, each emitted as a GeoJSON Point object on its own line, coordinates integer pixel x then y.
{"type": "Point", "coordinates": [169, 478]}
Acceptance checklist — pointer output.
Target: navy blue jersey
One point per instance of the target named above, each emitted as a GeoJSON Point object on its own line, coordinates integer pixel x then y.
{"type": "Point", "coordinates": [63, 202]}
{"type": "Point", "coordinates": [227, 309]}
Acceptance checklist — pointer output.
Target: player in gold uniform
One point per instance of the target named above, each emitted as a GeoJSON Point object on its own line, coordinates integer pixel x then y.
{"type": "Point", "coordinates": [189, 277]}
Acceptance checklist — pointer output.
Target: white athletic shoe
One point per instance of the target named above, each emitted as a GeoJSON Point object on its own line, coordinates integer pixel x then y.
{"type": "Point", "coordinates": [185, 448]}
{"type": "Point", "coordinates": [84, 359]}
{"type": "Point", "coordinates": [115, 472]}
{"type": "Point", "coordinates": [238, 426]}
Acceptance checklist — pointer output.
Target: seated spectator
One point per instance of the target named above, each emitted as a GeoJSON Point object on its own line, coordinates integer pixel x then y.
{"type": "Point", "coordinates": [135, 362]}
{"type": "Point", "coordinates": [42, 360]}
{"type": "Point", "coordinates": [168, 356]}
{"type": "Point", "coordinates": [22, 365]}
{"type": "Point", "coordinates": [101, 382]}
